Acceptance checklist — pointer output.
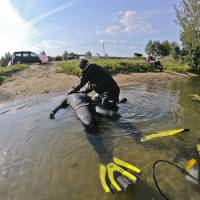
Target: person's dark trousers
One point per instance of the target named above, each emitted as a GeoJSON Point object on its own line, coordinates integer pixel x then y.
{"type": "Point", "coordinates": [109, 101]}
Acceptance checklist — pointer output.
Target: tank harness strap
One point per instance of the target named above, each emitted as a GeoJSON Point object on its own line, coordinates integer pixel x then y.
{"type": "Point", "coordinates": [79, 106]}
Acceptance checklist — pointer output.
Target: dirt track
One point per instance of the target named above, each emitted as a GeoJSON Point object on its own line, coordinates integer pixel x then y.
{"type": "Point", "coordinates": [41, 79]}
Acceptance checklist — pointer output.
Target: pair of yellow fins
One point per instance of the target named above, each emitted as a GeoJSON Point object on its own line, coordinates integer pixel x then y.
{"type": "Point", "coordinates": [118, 175]}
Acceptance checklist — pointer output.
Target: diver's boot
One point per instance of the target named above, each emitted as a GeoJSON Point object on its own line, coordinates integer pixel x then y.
{"type": "Point", "coordinates": [51, 115]}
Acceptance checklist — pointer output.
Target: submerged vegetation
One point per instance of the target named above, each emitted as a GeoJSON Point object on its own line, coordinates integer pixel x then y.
{"type": "Point", "coordinates": [5, 72]}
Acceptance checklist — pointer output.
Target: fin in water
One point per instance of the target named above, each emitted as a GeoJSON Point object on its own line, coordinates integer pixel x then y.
{"type": "Point", "coordinates": [102, 174]}
{"type": "Point", "coordinates": [193, 168]}
{"type": "Point", "coordinates": [190, 164]}
{"type": "Point", "coordinates": [163, 134]}
{"type": "Point", "coordinates": [118, 175]}
{"type": "Point", "coordinates": [198, 149]}
{"type": "Point", "coordinates": [195, 97]}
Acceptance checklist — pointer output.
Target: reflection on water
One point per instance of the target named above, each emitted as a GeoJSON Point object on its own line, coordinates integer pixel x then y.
{"type": "Point", "coordinates": [55, 159]}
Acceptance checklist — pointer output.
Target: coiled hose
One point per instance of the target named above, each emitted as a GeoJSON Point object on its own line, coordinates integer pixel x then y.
{"type": "Point", "coordinates": [170, 163]}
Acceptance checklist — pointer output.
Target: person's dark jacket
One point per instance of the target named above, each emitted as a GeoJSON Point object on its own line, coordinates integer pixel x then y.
{"type": "Point", "coordinates": [99, 80]}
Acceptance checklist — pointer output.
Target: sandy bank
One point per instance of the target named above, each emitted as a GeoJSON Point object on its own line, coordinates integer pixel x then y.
{"type": "Point", "coordinates": [41, 79]}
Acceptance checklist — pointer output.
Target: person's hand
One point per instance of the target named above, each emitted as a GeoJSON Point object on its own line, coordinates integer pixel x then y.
{"type": "Point", "coordinates": [81, 91]}
{"type": "Point", "coordinates": [51, 116]}
{"type": "Point", "coordinates": [71, 91]}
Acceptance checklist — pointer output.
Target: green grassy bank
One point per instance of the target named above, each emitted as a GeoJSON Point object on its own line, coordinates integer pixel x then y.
{"type": "Point", "coordinates": [114, 66]}
{"type": "Point", "coordinates": [5, 72]}
{"type": "Point", "coordinates": [175, 66]}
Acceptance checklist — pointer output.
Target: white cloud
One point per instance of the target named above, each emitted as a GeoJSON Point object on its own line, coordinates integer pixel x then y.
{"type": "Point", "coordinates": [133, 23]}
{"type": "Point", "coordinates": [19, 34]}
{"type": "Point", "coordinates": [120, 42]}
{"type": "Point", "coordinates": [41, 17]}
{"type": "Point", "coordinates": [51, 47]}
{"type": "Point", "coordinates": [110, 30]}
{"type": "Point", "coordinates": [13, 34]}
{"type": "Point", "coordinates": [127, 22]}
{"type": "Point", "coordinates": [104, 41]}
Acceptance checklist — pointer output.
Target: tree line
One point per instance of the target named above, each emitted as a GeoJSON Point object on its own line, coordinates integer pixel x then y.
{"type": "Point", "coordinates": [188, 19]}
{"type": "Point", "coordinates": [164, 48]}
{"type": "Point", "coordinates": [5, 59]}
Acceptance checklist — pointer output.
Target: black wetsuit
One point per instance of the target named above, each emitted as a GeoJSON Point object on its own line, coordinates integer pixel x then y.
{"type": "Point", "coordinates": [83, 107]}
{"type": "Point", "coordinates": [99, 81]}
{"type": "Point", "coordinates": [85, 110]}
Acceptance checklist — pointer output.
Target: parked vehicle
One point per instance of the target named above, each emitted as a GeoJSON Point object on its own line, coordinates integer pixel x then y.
{"type": "Point", "coordinates": [25, 57]}
{"type": "Point", "coordinates": [71, 56]}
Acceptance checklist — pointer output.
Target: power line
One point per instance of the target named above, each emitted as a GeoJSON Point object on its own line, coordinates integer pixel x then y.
{"type": "Point", "coordinates": [94, 44]}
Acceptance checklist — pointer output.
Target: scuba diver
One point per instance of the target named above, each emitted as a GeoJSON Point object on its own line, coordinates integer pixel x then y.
{"type": "Point", "coordinates": [99, 81]}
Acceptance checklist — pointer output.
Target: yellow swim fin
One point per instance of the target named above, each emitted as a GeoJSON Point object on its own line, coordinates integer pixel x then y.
{"type": "Point", "coordinates": [190, 164]}
{"type": "Point", "coordinates": [114, 177]}
{"type": "Point", "coordinates": [195, 97]}
{"type": "Point", "coordinates": [193, 169]}
{"type": "Point", "coordinates": [112, 169]}
{"type": "Point", "coordinates": [162, 134]}
{"type": "Point", "coordinates": [102, 174]}
{"type": "Point", "coordinates": [126, 165]}
{"type": "Point", "coordinates": [198, 149]}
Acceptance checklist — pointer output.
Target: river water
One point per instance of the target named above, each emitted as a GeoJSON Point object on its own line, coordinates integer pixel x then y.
{"type": "Point", "coordinates": [47, 159]}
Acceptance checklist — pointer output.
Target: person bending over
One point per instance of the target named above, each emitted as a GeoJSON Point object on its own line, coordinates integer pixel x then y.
{"type": "Point", "coordinates": [99, 81]}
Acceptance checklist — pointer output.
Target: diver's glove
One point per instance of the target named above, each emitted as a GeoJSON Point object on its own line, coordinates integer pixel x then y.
{"type": "Point", "coordinates": [51, 115]}
{"type": "Point", "coordinates": [71, 91]}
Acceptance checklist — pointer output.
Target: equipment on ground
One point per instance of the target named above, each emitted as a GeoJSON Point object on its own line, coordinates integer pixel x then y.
{"type": "Point", "coordinates": [118, 175]}
{"type": "Point", "coordinates": [86, 110]}
{"type": "Point", "coordinates": [191, 171]}
{"type": "Point", "coordinates": [193, 168]}
{"type": "Point", "coordinates": [163, 134]}
{"type": "Point", "coordinates": [195, 97]}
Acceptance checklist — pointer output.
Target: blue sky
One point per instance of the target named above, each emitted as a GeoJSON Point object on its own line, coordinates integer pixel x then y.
{"type": "Point", "coordinates": [125, 26]}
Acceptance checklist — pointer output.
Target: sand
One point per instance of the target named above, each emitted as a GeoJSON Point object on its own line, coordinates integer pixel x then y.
{"type": "Point", "coordinates": [42, 79]}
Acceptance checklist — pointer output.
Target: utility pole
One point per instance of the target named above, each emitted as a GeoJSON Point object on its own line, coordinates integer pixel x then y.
{"type": "Point", "coordinates": [104, 52]}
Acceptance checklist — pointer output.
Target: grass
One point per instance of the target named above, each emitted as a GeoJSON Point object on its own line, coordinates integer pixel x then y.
{"type": "Point", "coordinates": [5, 72]}
{"type": "Point", "coordinates": [114, 66]}
{"type": "Point", "coordinates": [175, 66]}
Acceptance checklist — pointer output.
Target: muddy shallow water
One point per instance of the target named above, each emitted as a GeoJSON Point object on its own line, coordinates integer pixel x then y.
{"type": "Point", "coordinates": [47, 159]}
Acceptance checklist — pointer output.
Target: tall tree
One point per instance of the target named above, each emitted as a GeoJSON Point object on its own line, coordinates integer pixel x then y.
{"type": "Point", "coordinates": [88, 54]}
{"type": "Point", "coordinates": [158, 48]}
{"type": "Point", "coordinates": [188, 18]}
{"type": "Point", "coordinates": [165, 48]}
{"type": "Point", "coordinates": [152, 47]}
{"type": "Point", "coordinates": [65, 55]}
{"type": "Point", "coordinates": [175, 50]}
{"type": "Point", "coordinates": [5, 59]}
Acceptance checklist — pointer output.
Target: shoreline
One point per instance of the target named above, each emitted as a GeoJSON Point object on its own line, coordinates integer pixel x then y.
{"type": "Point", "coordinates": [43, 79]}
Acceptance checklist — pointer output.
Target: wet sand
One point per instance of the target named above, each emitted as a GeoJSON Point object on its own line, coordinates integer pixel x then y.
{"type": "Point", "coordinates": [43, 79]}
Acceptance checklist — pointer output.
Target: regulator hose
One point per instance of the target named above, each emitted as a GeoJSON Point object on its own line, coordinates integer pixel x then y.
{"type": "Point", "coordinates": [170, 163]}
